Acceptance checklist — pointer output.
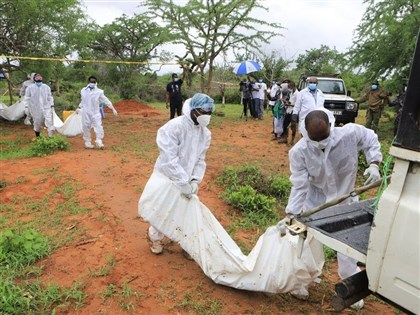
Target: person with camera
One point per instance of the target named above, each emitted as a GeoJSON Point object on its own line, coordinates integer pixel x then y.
{"type": "Point", "coordinates": [246, 89]}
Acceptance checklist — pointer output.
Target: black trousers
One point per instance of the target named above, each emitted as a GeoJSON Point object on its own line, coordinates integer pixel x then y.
{"type": "Point", "coordinates": [247, 104]}
{"type": "Point", "coordinates": [175, 107]}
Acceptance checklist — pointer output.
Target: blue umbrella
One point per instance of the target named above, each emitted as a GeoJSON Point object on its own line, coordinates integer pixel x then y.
{"type": "Point", "coordinates": [246, 67]}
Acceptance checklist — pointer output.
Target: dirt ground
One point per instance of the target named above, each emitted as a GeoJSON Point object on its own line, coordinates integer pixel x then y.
{"type": "Point", "coordinates": [111, 182]}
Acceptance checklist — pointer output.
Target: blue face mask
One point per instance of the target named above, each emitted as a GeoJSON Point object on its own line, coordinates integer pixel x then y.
{"type": "Point", "coordinates": [312, 86]}
{"type": "Point", "coordinates": [260, 80]}
{"type": "Point", "coordinates": [176, 79]}
{"type": "Point", "coordinates": [374, 87]}
{"type": "Point", "coordinates": [38, 83]}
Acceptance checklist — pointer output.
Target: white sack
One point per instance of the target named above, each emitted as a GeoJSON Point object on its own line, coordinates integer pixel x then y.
{"type": "Point", "coordinates": [272, 266]}
{"type": "Point", "coordinates": [278, 125]}
{"type": "Point", "coordinates": [13, 112]}
{"type": "Point", "coordinates": [71, 127]}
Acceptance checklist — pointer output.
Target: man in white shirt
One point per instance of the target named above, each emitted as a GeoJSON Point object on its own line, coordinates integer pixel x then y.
{"type": "Point", "coordinates": [307, 100]}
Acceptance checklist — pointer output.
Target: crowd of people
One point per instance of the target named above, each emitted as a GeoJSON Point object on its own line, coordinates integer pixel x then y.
{"type": "Point", "coordinates": [289, 106]}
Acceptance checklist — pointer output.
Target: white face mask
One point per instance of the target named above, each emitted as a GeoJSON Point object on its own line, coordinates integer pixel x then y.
{"type": "Point", "coordinates": [320, 144]}
{"type": "Point", "coordinates": [203, 120]}
{"type": "Point", "coordinates": [92, 85]}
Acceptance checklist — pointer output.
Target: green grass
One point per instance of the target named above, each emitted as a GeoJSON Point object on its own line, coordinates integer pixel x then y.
{"type": "Point", "coordinates": [22, 147]}
{"type": "Point", "coordinates": [31, 227]}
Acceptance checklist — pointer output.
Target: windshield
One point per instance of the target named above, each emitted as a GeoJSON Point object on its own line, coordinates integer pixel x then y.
{"type": "Point", "coordinates": [331, 87]}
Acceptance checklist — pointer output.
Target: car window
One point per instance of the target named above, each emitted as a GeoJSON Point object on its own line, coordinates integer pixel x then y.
{"type": "Point", "coordinates": [331, 87]}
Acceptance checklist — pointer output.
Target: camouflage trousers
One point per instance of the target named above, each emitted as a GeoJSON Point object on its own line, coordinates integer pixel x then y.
{"type": "Point", "coordinates": [372, 118]}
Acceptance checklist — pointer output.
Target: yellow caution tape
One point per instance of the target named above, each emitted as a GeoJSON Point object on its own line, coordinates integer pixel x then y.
{"type": "Point", "coordinates": [90, 60]}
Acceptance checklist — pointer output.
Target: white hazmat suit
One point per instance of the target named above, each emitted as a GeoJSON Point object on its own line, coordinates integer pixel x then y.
{"type": "Point", "coordinates": [40, 103]}
{"type": "Point", "coordinates": [182, 146]}
{"type": "Point", "coordinates": [320, 175]}
{"type": "Point", "coordinates": [22, 92]}
{"type": "Point", "coordinates": [91, 97]}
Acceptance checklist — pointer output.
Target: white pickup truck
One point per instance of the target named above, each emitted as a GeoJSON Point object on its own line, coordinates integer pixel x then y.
{"type": "Point", "coordinates": [387, 239]}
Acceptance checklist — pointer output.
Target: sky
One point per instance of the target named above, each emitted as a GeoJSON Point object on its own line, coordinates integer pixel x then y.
{"type": "Point", "coordinates": [308, 24]}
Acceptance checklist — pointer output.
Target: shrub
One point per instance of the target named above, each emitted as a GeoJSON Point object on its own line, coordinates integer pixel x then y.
{"type": "Point", "coordinates": [47, 145]}
{"type": "Point", "coordinates": [246, 199]}
{"type": "Point", "coordinates": [19, 249]}
{"type": "Point", "coordinates": [256, 195]}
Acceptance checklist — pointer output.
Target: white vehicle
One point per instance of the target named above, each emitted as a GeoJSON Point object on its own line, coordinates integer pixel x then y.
{"type": "Point", "coordinates": [386, 240]}
{"type": "Point", "coordinates": [337, 98]}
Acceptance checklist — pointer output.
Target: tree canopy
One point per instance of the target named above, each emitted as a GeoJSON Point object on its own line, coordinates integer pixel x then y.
{"type": "Point", "coordinates": [385, 39]}
{"type": "Point", "coordinates": [207, 28]}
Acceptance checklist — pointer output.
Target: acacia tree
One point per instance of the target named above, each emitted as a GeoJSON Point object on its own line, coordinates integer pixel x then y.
{"type": "Point", "coordinates": [385, 39]}
{"type": "Point", "coordinates": [128, 39]}
{"type": "Point", "coordinates": [207, 28]}
{"type": "Point", "coordinates": [320, 60]}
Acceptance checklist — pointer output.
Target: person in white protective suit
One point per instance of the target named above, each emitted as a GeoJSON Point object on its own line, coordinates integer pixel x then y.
{"type": "Point", "coordinates": [323, 166]}
{"type": "Point", "coordinates": [40, 103]}
{"type": "Point", "coordinates": [183, 143]}
{"type": "Point", "coordinates": [91, 98]}
{"type": "Point", "coordinates": [22, 91]}
{"type": "Point", "coordinates": [308, 99]}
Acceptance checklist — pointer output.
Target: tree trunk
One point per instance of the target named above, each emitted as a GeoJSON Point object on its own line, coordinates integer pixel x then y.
{"type": "Point", "coordinates": [9, 82]}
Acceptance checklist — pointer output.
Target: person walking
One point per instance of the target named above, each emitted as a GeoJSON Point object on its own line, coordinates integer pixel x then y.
{"type": "Point", "coordinates": [174, 94]}
{"type": "Point", "coordinates": [376, 99]}
{"type": "Point", "coordinates": [183, 143]}
{"type": "Point", "coordinates": [40, 104]}
{"type": "Point", "coordinates": [323, 166]}
{"type": "Point", "coordinates": [91, 98]}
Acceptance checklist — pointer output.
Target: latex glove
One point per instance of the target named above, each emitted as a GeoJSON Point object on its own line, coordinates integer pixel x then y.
{"type": "Point", "coordinates": [373, 172]}
{"type": "Point", "coordinates": [78, 111]}
{"type": "Point", "coordinates": [186, 191]}
{"type": "Point", "coordinates": [114, 112]}
{"type": "Point", "coordinates": [295, 118]}
{"type": "Point", "coordinates": [281, 225]}
{"type": "Point", "coordinates": [194, 187]}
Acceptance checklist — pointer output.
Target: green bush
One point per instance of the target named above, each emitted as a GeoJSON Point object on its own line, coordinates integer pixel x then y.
{"type": "Point", "coordinates": [19, 249]}
{"type": "Point", "coordinates": [257, 196]}
{"type": "Point", "coordinates": [47, 145]}
{"type": "Point", "coordinates": [247, 199]}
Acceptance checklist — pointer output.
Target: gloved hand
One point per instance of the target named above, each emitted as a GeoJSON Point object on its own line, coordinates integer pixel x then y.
{"type": "Point", "coordinates": [281, 226]}
{"type": "Point", "coordinates": [194, 187]}
{"type": "Point", "coordinates": [295, 118]}
{"type": "Point", "coordinates": [78, 111]}
{"type": "Point", "coordinates": [186, 191]}
{"type": "Point", "coordinates": [114, 112]}
{"type": "Point", "coordinates": [373, 172]}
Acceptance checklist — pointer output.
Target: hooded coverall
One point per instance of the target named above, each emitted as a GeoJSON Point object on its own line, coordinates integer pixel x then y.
{"type": "Point", "coordinates": [318, 176]}
{"type": "Point", "coordinates": [39, 101]}
{"type": "Point", "coordinates": [91, 115]}
{"type": "Point", "coordinates": [183, 147]}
